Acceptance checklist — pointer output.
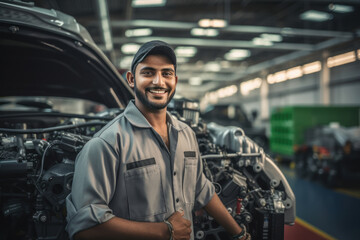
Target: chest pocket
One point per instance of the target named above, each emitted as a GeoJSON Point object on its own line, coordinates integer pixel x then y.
{"type": "Point", "coordinates": [144, 190]}
{"type": "Point", "coordinates": [189, 184]}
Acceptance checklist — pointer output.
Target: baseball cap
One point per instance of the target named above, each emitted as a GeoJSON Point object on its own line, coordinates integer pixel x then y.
{"type": "Point", "coordinates": [153, 47]}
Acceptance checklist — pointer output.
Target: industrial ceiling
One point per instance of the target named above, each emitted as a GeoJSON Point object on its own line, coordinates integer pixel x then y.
{"type": "Point", "coordinates": [218, 42]}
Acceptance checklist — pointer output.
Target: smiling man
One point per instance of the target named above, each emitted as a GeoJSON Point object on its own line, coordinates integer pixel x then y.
{"type": "Point", "coordinates": [141, 176]}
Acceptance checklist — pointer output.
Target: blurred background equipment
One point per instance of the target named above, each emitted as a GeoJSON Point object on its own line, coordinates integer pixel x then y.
{"type": "Point", "coordinates": [330, 154]}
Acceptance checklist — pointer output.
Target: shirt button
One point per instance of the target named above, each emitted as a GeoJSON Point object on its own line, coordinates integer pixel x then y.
{"type": "Point", "coordinates": [177, 200]}
{"type": "Point", "coordinates": [175, 173]}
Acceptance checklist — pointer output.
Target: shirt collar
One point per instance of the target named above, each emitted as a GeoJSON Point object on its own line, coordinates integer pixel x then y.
{"type": "Point", "coordinates": [136, 118]}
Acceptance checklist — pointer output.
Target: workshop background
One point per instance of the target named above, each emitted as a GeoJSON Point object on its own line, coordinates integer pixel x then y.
{"type": "Point", "coordinates": [286, 71]}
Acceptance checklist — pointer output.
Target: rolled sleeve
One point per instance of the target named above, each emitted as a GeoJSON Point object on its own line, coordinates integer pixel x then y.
{"type": "Point", "coordinates": [93, 187]}
{"type": "Point", "coordinates": [204, 195]}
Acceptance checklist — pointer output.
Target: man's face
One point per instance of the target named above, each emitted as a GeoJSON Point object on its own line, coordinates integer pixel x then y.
{"type": "Point", "coordinates": [155, 82]}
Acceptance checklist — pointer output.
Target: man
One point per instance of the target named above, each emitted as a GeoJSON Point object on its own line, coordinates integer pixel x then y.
{"type": "Point", "coordinates": [141, 176]}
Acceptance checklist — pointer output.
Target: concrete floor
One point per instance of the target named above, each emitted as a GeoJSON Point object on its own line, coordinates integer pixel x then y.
{"type": "Point", "coordinates": [327, 213]}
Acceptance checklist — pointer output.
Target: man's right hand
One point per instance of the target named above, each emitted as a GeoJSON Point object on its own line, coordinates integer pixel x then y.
{"type": "Point", "coordinates": [181, 226]}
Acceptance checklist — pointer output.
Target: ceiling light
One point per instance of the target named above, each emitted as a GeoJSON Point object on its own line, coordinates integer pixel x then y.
{"type": "Point", "coordinates": [277, 77]}
{"type": "Point", "coordinates": [261, 42]}
{"type": "Point", "coordinates": [195, 81]}
{"type": "Point", "coordinates": [204, 23]}
{"type": "Point", "coordinates": [212, 67]}
{"type": "Point", "coordinates": [316, 16]}
{"type": "Point", "coordinates": [148, 3]}
{"type": "Point", "coordinates": [212, 32]}
{"type": "Point", "coordinates": [237, 54]}
{"type": "Point", "coordinates": [212, 97]}
{"type": "Point", "coordinates": [219, 23]}
{"type": "Point", "coordinates": [130, 48]}
{"type": "Point", "coordinates": [209, 32]}
{"type": "Point", "coordinates": [272, 37]}
{"type": "Point", "coordinates": [228, 56]}
{"type": "Point", "coordinates": [216, 23]}
{"type": "Point", "coordinates": [182, 59]}
{"type": "Point", "coordinates": [341, 8]}
{"type": "Point", "coordinates": [140, 32]}
{"type": "Point", "coordinates": [294, 72]}
{"type": "Point", "coordinates": [185, 51]}
{"type": "Point", "coordinates": [246, 87]}
{"type": "Point", "coordinates": [226, 91]}
{"type": "Point", "coordinates": [341, 59]}
{"type": "Point", "coordinates": [311, 67]}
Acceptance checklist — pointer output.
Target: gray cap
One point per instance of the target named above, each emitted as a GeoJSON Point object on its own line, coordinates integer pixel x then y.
{"type": "Point", "coordinates": [152, 48]}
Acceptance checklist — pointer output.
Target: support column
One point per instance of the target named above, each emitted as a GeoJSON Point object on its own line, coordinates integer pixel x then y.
{"type": "Point", "coordinates": [105, 28]}
{"type": "Point", "coordinates": [264, 99]}
{"type": "Point", "coordinates": [324, 85]}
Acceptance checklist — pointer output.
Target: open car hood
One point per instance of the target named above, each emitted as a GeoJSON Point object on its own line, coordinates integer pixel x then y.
{"type": "Point", "coordinates": [47, 53]}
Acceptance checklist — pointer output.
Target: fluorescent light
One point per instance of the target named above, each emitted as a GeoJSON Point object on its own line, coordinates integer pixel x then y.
{"type": "Point", "coordinates": [219, 23]}
{"type": "Point", "coordinates": [261, 42]}
{"type": "Point", "coordinates": [246, 87]}
{"type": "Point", "coordinates": [182, 59]}
{"type": "Point", "coordinates": [237, 54]}
{"type": "Point", "coordinates": [130, 48]}
{"type": "Point", "coordinates": [204, 23]}
{"type": "Point", "coordinates": [341, 59]}
{"type": "Point", "coordinates": [277, 77]}
{"type": "Point", "coordinates": [140, 32]}
{"type": "Point", "coordinates": [272, 37]}
{"type": "Point", "coordinates": [209, 32]}
{"type": "Point", "coordinates": [212, 97]}
{"type": "Point", "coordinates": [240, 52]}
{"type": "Point", "coordinates": [198, 32]}
{"type": "Point", "coordinates": [311, 67]}
{"type": "Point", "coordinates": [185, 51]}
{"type": "Point", "coordinates": [294, 72]}
{"type": "Point", "coordinates": [316, 16]}
{"type": "Point", "coordinates": [195, 81]}
{"type": "Point", "coordinates": [341, 8]}
{"type": "Point", "coordinates": [358, 54]}
{"type": "Point", "coordinates": [212, 67]}
{"type": "Point", "coordinates": [212, 32]}
{"type": "Point", "coordinates": [216, 23]}
{"type": "Point", "coordinates": [226, 91]}
{"type": "Point", "coordinates": [148, 3]}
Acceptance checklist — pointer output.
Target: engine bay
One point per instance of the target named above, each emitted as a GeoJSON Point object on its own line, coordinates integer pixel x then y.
{"type": "Point", "coordinates": [37, 156]}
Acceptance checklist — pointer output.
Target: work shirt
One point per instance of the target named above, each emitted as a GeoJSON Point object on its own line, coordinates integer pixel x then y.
{"type": "Point", "coordinates": [127, 171]}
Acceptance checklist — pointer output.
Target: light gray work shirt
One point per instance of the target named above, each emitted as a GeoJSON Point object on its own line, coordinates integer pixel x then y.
{"type": "Point", "coordinates": [127, 171]}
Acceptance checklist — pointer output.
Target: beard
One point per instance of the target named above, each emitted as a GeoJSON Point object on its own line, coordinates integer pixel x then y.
{"type": "Point", "coordinates": [149, 104]}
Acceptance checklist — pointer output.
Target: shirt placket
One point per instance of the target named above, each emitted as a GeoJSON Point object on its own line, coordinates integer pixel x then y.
{"type": "Point", "coordinates": [176, 172]}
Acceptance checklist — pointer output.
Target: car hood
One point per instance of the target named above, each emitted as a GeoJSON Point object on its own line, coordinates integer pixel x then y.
{"type": "Point", "coordinates": [47, 53]}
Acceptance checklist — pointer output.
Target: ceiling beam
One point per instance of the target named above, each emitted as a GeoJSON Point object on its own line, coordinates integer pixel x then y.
{"type": "Point", "coordinates": [241, 74]}
{"type": "Point", "coordinates": [232, 28]}
{"type": "Point", "coordinates": [215, 43]}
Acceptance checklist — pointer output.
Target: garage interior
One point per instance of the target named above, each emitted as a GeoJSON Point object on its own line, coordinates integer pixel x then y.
{"type": "Point", "coordinates": [288, 69]}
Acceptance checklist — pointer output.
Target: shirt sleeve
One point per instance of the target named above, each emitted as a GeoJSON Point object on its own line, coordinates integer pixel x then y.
{"type": "Point", "coordinates": [93, 186]}
{"type": "Point", "coordinates": [204, 188]}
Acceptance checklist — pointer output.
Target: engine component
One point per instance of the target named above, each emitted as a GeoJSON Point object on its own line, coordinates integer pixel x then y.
{"type": "Point", "coordinates": [36, 171]}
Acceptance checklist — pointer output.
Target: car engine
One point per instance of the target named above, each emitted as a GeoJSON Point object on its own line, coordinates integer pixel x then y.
{"type": "Point", "coordinates": [37, 164]}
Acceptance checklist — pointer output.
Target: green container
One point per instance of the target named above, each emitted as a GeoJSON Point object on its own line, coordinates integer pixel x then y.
{"type": "Point", "coordinates": [288, 124]}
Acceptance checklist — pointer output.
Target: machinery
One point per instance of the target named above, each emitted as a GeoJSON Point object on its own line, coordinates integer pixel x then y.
{"type": "Point", "coordinates": [46, 55]}
{"type": "Point", "coordinates": [37, 166]}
